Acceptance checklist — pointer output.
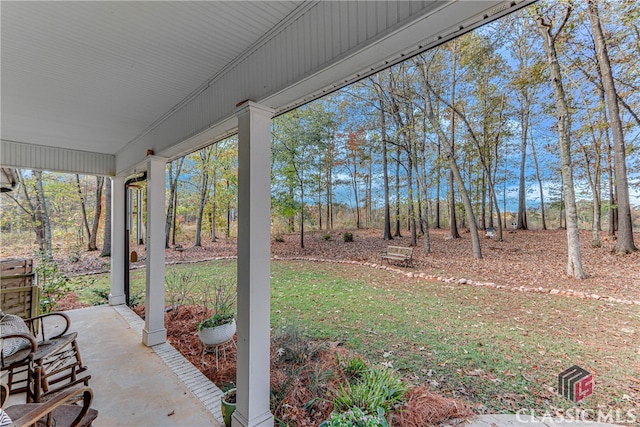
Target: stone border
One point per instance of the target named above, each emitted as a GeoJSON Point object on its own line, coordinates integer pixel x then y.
{"type": "Point", "coordinates": [468, 282]}
{"type": "Point", "coordinates": [430, 277]}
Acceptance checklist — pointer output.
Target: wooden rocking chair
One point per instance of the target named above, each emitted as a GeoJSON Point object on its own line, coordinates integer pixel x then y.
{"type": "Point", "coordinates": [50, 360]}
{"type": "Point", "coordinates": [60, 411]}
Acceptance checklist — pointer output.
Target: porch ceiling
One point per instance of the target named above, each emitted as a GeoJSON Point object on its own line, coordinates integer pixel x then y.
{"type": "Point", "coordinates": [94, 75]}
{"type": "Point", "coordinates": [89, 87]}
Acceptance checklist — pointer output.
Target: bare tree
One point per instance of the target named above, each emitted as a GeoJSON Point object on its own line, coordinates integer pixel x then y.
{"type": "Point", "coordinates": [624, 243]}
{"type": "Point", "coordinates": [93, 235]}
{"type": "Point", "coordinates": [106, 244]}
{"type": "Point", "coordinates": [545, 27]}
{"type": "Point", "coordinates": [175, 168]}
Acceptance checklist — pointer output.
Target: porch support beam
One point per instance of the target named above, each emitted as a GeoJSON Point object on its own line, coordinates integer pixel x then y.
{"type": "Point", "coordinates": [154, 331]}
{"type": "Point", "coordinates": [254, 293]}
{"type": "Point", "coordinates": [116, 296]}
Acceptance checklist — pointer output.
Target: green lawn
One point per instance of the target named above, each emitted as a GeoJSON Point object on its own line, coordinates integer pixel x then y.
{"type": "Point", "coordinates": [498, 349]}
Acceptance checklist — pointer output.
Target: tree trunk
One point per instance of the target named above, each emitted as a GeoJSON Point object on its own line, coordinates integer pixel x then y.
{"type": "Point", "coordinates": [42, 211]}
{"type": "Point", "coordinates": [452, 196]}
{"type": "Point", "coordinates": [613, 210]}
{"type": "Point", "coordinates": [385, 171]}
{"type": "Point", "coordinates": [174, 173]}
{"type": "Point", "coordinates": [205, 158]}
{"type": "Point", "coordinates": [535, 161]}
{"type": "Point", "coordinates": [438, 180]}
{"type": "Point", "coordinates": [106, 240]}
{"type": "Point", "coordinates": [522, 199]}
{"type": "Point", "coordinates": [93, 236]}
{"type": "Point", "coordinates": [453, 226]}
{"type": "Point", "coordinates": [33, 212]}
{"type": "Point", "coordinates": [397, 231]}
{"type": "Point", "coordinates": [624, 243]}
{"type": "Point", "coordinates": [574, 262]}
{"type": "Point", "coordinates": [301, 214]}
{"type": "Point", "coordinates": [175, 215]}
{"type": "Point", "coordinates": [455, 173]}
{"type": "Point", "coordinates": [83, 208]}
{"type": "Point", "coordinates": [214, 204]}
{"type": "Point", "coordinates": [228, 229]}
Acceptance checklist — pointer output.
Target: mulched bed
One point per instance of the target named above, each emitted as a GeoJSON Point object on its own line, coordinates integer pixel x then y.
{"type": "Point", "coordinates": [294, 383]}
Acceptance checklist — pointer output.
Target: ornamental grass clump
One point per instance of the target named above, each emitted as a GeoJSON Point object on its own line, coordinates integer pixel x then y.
{"type": "Point", "coordinates": [375, 388]}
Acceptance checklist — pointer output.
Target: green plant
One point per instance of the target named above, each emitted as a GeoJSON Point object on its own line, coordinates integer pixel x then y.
{"type": "Point", "coordinates": [220, 296]}
{"type": "Point", "coordinates": [356, 417]}
{"type": "Point", "coordinates": [136, 298]}
{"type": "Point", "coordinates": [278, 238]}
{"type": "Point", "coordinates": [347, 237]}
{"type": "Point", "coordinates": [326, 236]}
{"type": "Point", "coordinates": [376, 388]}
{"type": "Point", "coordinates": [101, 295]}
{"type": "Point", "coordinates": [53, 283]}
{"type": "Point", "coordinates": [353, 367]}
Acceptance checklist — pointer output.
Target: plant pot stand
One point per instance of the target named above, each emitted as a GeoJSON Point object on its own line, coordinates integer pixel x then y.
{"type": "Point", "coordinates": [216, 348]}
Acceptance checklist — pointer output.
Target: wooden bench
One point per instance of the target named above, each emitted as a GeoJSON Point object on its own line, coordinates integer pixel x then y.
{"type": "Point", "coordinates": [400, 254]}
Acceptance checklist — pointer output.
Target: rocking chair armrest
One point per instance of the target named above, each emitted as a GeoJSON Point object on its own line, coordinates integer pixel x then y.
{"type": "Point", "coordinates": [32, 340]}
{"type": "Point", "coordinates": [20, 355]}
{"type": "Point", "coordinates": [35, 327]}
{"type": "Point", "coordinates": [4, 394]}
{"type": "Point", "coordinates": [66, 397]}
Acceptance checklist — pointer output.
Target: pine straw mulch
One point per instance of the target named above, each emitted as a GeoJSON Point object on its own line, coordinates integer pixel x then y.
{"type": "Point", "coordinates": [301, 387]}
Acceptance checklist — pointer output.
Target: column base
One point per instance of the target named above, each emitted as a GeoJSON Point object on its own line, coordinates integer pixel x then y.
{"type": "Point", "coordinates": [154, 337]}
{"type": "Point", "coordinates": [265, 420]}
{"type": "Point", "coordinates": [117, 299]}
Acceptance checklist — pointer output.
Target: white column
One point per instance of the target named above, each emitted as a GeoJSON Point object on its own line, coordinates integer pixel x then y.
{"type": "Point", "coordinates": [154, 331]}
{"type": "Point", "coordinates": [116, 296]}
{"type": "Point", "coordinates": [254, 293]}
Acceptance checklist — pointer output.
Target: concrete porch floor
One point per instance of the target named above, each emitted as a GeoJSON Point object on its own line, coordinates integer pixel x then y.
{"type": "Point", "coordinates": [134, 385]}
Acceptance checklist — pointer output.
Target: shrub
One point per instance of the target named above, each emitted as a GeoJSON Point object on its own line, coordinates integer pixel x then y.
{"type": "Point", "coordinates": [136, 299]}
{"type": "Point", "coordinates": [326, 236]}
{"type": "Point", "coordinates": [356, 417]}
{"type": "Point", "coordinates": [347, 237]}
{"type": "Point", "coordinates": [278, 238]}
{"type": "Point", "coordinates": [100, 295]}
{"type": "Point", "coordinates": [52, 282]}
{"type": "Point", "coordinates": [180, 288]}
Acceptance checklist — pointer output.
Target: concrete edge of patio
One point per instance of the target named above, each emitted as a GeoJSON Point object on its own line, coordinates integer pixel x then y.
{"type": "Point", "coordinates": [194, 380]}
{"type": "Point", "coordinates": [523, 420]}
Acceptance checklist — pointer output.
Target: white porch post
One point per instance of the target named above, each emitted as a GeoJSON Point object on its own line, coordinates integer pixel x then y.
{"type": "Point", "coordinates": [254, 293]}
{"type": "Point", "coordinates": [116, 296]}
{"type": "Point", "coordinates": [154, 331]}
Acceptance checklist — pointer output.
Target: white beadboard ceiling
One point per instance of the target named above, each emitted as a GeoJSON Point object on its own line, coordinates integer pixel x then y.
{"type": "Point", "coordinates": [93, 75]}
{"type": "Point", "coordinates": [90, 86]}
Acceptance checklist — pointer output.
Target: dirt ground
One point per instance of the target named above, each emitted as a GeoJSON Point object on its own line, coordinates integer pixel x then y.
{"type": "Point", "coordinates": [524, 258]}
